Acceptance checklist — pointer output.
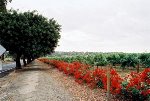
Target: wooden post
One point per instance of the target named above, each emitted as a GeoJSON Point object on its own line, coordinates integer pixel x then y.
{"type": "Point", "coordinates": [108, 83]}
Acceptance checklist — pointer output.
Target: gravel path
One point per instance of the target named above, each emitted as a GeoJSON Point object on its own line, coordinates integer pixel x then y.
{"type": "Point", "coordinates": [40, 82]}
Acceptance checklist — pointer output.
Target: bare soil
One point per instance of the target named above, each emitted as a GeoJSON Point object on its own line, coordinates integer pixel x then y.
{"type": "Point", "coordinates": [41, 82]}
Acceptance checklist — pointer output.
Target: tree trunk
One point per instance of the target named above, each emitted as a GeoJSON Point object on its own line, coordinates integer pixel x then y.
{"type": "Point", "coordinates": [2, 6]}
{"type": "Point", "coordinates": [18, 64]}
{"type": "Point", "coordinates": [32, 58]}
{"type": "Point", "coordinates": [123, 68]}
{"type": "Point", "coordinates": [138, 68]}
{"type": "Point", "coordinates": [24, 61]}
{"type": "Point", "coordinates": [3, 57]}
{"type": "Point", "coordinates": [28, 60]}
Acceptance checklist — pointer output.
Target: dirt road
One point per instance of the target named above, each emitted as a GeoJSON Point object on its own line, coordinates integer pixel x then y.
{"type": "Point", "coordinates": [40, 82]}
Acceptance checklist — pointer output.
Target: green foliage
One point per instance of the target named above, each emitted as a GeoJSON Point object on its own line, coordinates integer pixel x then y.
{"type": "Point", "coordinates": [136, 95]}
{"type": "Point", "coordinates": [145, 59]}
{"type": "Point", "coordinates": [90, 60]}
{"type": "Point", "coordinates": [130, 60]}
{"type": "Point", "coordinates": [28, 33]}
{"type": "Point", "coordinates": [123, 90]}
{"type": "Point", "coordinates": [114, 59]}
{"type": "Point", "coordinates": [100, 60]}
{"type": "Point", "coordinates": [100, 84]}
{"type": "Point", "coordinates": [133, 93]}
{"type": "Point", "coordinates": [3, 4]}
{"type": "Point", "coordinates": [124, 84]}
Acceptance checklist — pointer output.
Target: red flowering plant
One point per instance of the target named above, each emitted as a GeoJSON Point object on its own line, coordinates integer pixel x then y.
{"type": "Point", "coordinates": [99, 77]}
{"type": "Point", "coordinates": [78, 75]}
{"type": "Point", "coordinates": [73, 67]}
{"type": "Point", "coordinates": [116, 81]}
{"type": "Point", "coordinates": [88, 77]}
{"type": "Point", "coordinates": [80, 72]}
{"type": "Point", "coordinates": [137, 85]}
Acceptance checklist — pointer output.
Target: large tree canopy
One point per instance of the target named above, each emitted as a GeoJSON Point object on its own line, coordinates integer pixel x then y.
{"type": "Point", "coordinates": [28, 34]}
{"type": "Point", "coordinates": [3, 4]}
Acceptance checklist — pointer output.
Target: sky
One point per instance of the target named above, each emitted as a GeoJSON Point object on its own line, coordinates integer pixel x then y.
{"type": "Point", "coordinates": [96, 25]}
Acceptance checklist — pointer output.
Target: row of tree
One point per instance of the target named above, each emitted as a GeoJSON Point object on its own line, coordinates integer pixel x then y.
{"type": "Point", "coordinates": [28, 34]}
{"type": "Point", "coordinates": [123, 60]}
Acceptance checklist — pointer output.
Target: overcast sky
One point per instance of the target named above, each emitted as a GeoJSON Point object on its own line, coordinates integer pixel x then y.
{"type": "Point", "coordinates": [96, 25]}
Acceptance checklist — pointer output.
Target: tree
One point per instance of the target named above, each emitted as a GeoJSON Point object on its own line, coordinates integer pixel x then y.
{"type": "Point", "coordinates": [3, 4]}
{"type": "Point", "coordinates": [113, 59]}
{"type": "Point", "coordinates": [130, 60]}
{"type": "Point", "coordinates": [100, 60]}
{"type": "Point", "coordinates": [28, 34]}
{"type": "Point", "coordinates": [145, 59]}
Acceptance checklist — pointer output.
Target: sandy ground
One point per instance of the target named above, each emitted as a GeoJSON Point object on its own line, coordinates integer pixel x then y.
{"type": "Point", "coordinates": [40, 82]}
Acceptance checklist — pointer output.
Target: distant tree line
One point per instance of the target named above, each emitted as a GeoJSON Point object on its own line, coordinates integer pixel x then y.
{"type": "Point", "coordinates": [123, 60]}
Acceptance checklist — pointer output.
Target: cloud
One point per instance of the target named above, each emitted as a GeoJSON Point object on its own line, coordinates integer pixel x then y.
{"type": "Point", "coordinates": [97, 25]}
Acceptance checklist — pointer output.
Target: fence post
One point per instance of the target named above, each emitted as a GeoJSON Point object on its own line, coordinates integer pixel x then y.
{"type": "Point", "coordinates": [108, 83]}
